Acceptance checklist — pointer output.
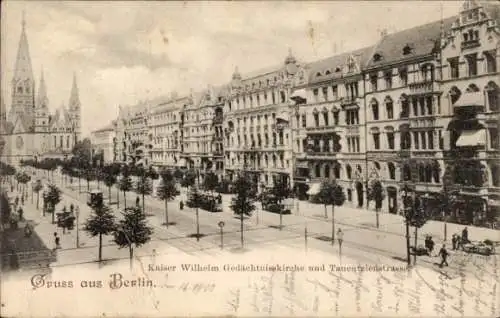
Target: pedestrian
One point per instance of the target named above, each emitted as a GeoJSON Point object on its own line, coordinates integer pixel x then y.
{"type": "Point", "coordinates": [181, 205]}
{"type": "Point", "coordinates": [22, 199]}
{"type": "Point", "coordinates": [56, 240]}
{"type": "Point", "coordinates": [453, 242]}
{"type": "Point", "coordinates": [465, 236]}
{"type": "Point", "coordinates": [340, 237]}
{"type": "Point", "coordinates": [16, 201]}
{"type": "Point", "coordinates": [444, 255]}
{"type": "Point", "coordinates": [137, 201]}
{"type": "Point", "coordinates": [431, 245]}
{"type": "Point", "coordinates": [21, 213]}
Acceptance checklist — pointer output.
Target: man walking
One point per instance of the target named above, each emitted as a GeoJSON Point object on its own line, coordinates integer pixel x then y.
{"type": "Point", "coordinates": [340, 238]}
{"type": "Point", "coordinates": [444, 255]}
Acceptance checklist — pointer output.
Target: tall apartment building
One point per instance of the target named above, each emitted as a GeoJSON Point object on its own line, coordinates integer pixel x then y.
{"type": "Point", "coordinates": [166, 129]}
{"type": "Point", "coordinates": [330, 125]}
{"type": "Point", "coordinates": [470, 57]}
{"type": "Point", "coordinates": [258, 138]}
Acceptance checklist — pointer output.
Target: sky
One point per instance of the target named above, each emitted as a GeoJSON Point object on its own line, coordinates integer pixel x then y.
{"type": "Point", "coordinates": [125, 52]}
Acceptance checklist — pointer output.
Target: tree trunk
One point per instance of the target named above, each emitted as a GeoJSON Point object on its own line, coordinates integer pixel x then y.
{"type": "Point", "coordinates": [100, 247]}
{"type": "Point", "coordinates": [79, 184]}
{"type": "Point", "coordinates": [333, 224]}
{"type": "Point", "coordinates": [166, 213]}
{"type": "Point", "coordinates": [37, 199]}
{"type": "Point", "coordinates": [241, 228]}
{"type": "Point", "coordinates": [416, 241]}
{"type": "Point", "coordinates": [117, 197]}
{"type": "Point", "coordinates": [53, 213]}
{"type": "Point", "coordinates": [197, 225]}
{"type": "Point", "coordinates": [109, 194]}
{"type": "Point", "coordinates": [131, 253]}
{"type": "Point", "coordinates": [377, 217]}
{"type": "Point", "coordinates": [143, 205]}
{"type": "Point", "coordinates": [326, 213]}
{"type": "Point", "coordinates": [281, 218]}
{"type": "Point", "coordinates": [88, 185]}
{"type": "Point", "coordinates": [125, 199]}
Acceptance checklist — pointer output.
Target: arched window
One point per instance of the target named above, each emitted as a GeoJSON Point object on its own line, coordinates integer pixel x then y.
{"type": "Point", "coordinates": [392, 170]}
{"type": "Point", "coordinates": [327, 171]}
{"type": "Point", "coordinates": [455, 94]}
{"type": "Point", "coordinates": [348, 170]}
{"type": "Point", "coordinates": [317, 171]}
{"type": "Point", "coordinates": [376, 165]}
{"type": "Point", "coordinates": [495, 175]}
{"type": "Point", "coordinates": [374, 105]}
{"type": "Point", "coordinates": [405, 106]}
{"type": "Point", "coordinates": [389, 107]}
{"type": "Point", "coordinates": [406, 172]}
{"type": "Point", "coordinates": [493, 96]}
{"type": "Point", "coordinates": [428, 173]}
{"type": "Point", "coordinates": [472, 88]}
{"type": "Point", "coordinates": [336, 170]}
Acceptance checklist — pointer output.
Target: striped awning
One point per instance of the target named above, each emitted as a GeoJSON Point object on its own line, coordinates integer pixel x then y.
{"type": "Point", "coordinates": [472, 138]}
{"type": "Point", "coordinates": [470, 99]}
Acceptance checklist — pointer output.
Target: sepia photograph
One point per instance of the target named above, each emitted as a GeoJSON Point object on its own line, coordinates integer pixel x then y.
{"type": "Point", "coordinates": [250, 159]}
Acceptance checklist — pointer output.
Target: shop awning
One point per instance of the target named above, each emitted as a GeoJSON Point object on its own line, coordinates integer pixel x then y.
{"type": "Point", "coordinates": [140, 162]}
{"type": "Point", "coordinates": [299, 94]}
{"type": "Point", "coordinates": [282, 118]}
{"type": "Point", "coordinates": [472, 138]}
{"type": "Point", "coordinates": [470, 99]}
{"type": "Point", "coordinates": [314, 189]}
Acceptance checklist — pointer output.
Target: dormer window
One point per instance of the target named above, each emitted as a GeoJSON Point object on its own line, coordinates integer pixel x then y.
{"type": "Point", "coordinates": [407, 50]}
{"type": "Point", "coordinates": [337, 69]}
{"type": "Point", "coordinates": [328, 72]}
{"type": "Point", "coordinates": [318, 74]}
{"type": "Point", "coordinates": [377, 57]}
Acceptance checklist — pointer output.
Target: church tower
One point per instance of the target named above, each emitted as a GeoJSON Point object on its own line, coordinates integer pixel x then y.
{"type": "Point", "coordinates": [74, 110]}
{"type": "Point", "coordinates": [23, 85]}
{"type": "Point", "coordinates": [42, 107]}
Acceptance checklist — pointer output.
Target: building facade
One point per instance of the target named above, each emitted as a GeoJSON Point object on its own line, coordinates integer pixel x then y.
{"type": "Point", "coordinates": [416, 110]}
{"type": "Point", "coordinates": [102, 141]}
{"type": "Point", "coordinates": [29, 130]}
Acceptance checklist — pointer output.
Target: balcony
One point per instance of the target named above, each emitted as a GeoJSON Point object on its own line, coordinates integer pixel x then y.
{"type": "Point", "coordinates": [323, 129]}
{"type": "Point", "coordinates": [423, 87]}
{"type": "Point", "coordinates": [349, 102]}
{"type": "Point", "coordinates": [470, 44]}
{"type": "Point", "coordinates": [218, 120]}
{"type": "Point", "coordinates": [313, 154]}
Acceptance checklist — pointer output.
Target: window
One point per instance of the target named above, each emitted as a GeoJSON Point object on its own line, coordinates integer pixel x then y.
{"type": "Point", "coordinates": [454, 67]}
{"type": "Point", "coordinates": [373, 82]}
{"type": "Point", "coordinates": [414, 102]}
{"type": "Point", "coordinates": [494, 141]}
{"type": "Point", "coordinates": [430, 137]}
{"type": "Point", "coordinates": [405, 108]}
{"type": "Point", "coordinates": [491, 63]}
{"type": "Point", "coordinates": [67, 141]}
{"type": "Point", "coordinates": [492, 94]}
{"type": "Point", "coordinates": [335, 117]}
{"type": "Point", "coordinates": [376, 140]}
{"type": "Point", "coordinates": [316, 119]}
{"type": "Point", "coordinates": [428, 102]}
{"type": "Point", "coordinates": [375, 109]}
{"type": "Point", "coordinates": [388, 79]}
{"type": "Point", "coordinates": [403, 76]}
{"type": "Point", "coordinates": [377, 57]}
{"type": "Point", "coordinates": [472, 64]}
{"type": "Point", "coordinates": [415, 139]}
{"type": "Point", "coordinates": [423, 137]}
{"type": "Point", "coordinates": [406, 173]}
{"type": "Point", "coordinates": [389, 107]}
{"type": "Point", "coordinates": [348, 170]}
{"type": "Point", "coordinates": [274, 98]}
{"type": "Point", "coordinates": [390, 139]}
{"type": "Point", "coordinates": [325, 93]}
{"type": "Point", "coordinates": [325, 118]}
{"type": "Point", "coordinates": [283, 96]}
{"type": "Point", "coordinates": [405, 140]}
{"type": "Point", "coordinates": [316, 94]}
{"type": "Point", "coordinates": [407, 50]}
{"type": "Point", "coordinates": [392, 171]}
{"type": "Point", "coordinates": [336, 171]}
{"type": "Point", "coordinates": [335, 92]}
{"type": "Point", "coordinates": [304, 121]}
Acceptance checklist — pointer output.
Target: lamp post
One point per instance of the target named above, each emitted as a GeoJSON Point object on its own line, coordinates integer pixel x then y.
{"type": "Point", "coordinates": [221, 226]}
{"type": "Point", "coordinates": [77, 212]}
{"type": "Point", "coordinates": [407, 215]}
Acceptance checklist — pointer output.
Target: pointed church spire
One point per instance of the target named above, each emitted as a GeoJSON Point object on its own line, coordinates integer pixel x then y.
{"type": "Point", "coordinates": [23, 70]}
{"type": "Point", "coordinates": [74, 98]}
{"type": "Point", "coordinates": [42, 101]}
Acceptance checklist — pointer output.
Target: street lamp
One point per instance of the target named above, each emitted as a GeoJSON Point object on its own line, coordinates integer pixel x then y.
{"type": "Point", "coordinates": [77, 212]}
{"type": "Point", "coordinates": [221, 226]}
{"type": "Point", "coordinates": [407, 214]}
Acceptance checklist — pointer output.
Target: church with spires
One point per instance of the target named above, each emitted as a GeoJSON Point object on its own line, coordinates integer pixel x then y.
{"type": "Point", "coordinates": [29, 130]}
